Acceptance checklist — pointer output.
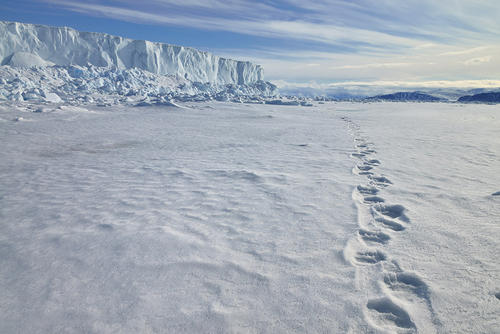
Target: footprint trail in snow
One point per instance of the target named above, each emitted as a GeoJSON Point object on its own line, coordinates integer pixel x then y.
{"type": "Point", "coordinates": [396, 300]}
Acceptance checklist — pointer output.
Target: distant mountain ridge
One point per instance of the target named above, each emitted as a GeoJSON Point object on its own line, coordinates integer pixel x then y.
{"type": "Point", "coordinates": [406, 97]}
{"type": "Point", "coordinates": [490, 97]}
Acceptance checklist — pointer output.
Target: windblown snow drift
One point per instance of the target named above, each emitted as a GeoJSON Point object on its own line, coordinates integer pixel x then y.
{"type": "Point", "coordinates": [29, 44]}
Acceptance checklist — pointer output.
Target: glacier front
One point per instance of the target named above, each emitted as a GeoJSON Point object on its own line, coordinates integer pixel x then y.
{"type": "Point", "coordinates": [66, 46]}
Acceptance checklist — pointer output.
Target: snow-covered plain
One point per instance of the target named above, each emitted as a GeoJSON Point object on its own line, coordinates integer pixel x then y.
{"type": "Point", "coordinates": [219, 217]}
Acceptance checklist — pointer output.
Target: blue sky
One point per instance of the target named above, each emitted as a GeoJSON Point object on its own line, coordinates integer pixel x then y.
{"type": "Point", "coordinates": [316, 42]}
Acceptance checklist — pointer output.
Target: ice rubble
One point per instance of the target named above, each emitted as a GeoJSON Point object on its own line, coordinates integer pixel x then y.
{"type": "Point", "coordinates": [65, 46]}
{"type": "Point", "coordinates": [92, 84]}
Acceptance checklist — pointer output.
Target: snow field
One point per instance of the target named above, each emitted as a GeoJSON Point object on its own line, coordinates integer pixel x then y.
{"type": "Point", "coordinates": [217, 217]}
{"type": "Point", "coordinates": [212, 218]}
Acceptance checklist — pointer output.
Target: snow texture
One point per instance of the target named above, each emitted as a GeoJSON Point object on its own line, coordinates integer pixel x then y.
{"type": "Point", "coordinates": [228, 218]}
{"type": "Point", "coordinates": [28, 44]}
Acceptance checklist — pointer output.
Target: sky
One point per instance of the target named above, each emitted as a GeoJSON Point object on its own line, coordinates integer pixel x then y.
{"type": "Point", "coordinates": [315, 43]}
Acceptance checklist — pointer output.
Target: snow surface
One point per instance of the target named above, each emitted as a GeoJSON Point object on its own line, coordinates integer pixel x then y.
{"type": "Point", "coordinates": [219, 217]}
{"type": "Point", "coordinates": [29, 44]}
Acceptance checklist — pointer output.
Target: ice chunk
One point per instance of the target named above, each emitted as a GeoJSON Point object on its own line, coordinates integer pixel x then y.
{"type": "Point", "coordinates": [52, 97]}
{"type": "Point", "coordinates": [25, 59]}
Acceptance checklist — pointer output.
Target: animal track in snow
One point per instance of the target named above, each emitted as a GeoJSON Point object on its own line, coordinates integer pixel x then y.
{"type": "Point", "coordinates": [380, 180]}
{"type": "Point", "coordinates": [388, 314]}
{"type": "Point", "coordinates": [378, 237]}
{"type": "Point", "coordinates": [373, 162]}
{"type": "Point", "coordinates": [370, 257]}
{"type": "Point", "coordinates": [394, 211]}
{"type": "Point", "coordinates": [364, 167]}
{"type": "Point", "coordinates": [367, 190]}
{"type": "Point", "coordinates": [390, 224]}
{"type": "Point", "coordinates": [496, 194]}
{"type": "Point", "coordinates": [358, 155]}
{"type": "Point", "coordinates": [105, 227]}
{"type": "Point", "coordinates": [397, 284]}
{"type": "Point", "coordinates": [368, 151]}
{"type": "Point", "coordinates": [410, 287]}
{"type": "Point", "coordinates": [407, 282]}
{"type": "Point", "coordinates": [373, 199]}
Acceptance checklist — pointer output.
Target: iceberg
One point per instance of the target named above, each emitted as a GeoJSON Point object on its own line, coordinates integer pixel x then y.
{"type": "Point", "coordinates": [22, 42]}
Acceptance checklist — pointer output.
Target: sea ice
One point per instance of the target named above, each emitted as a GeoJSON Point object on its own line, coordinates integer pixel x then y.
{"type": "Point", "coordinates": [223, 217]}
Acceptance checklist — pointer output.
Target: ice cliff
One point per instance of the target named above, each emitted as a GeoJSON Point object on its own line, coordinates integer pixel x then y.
{"type": "Point", "coordinates": [24, 44]}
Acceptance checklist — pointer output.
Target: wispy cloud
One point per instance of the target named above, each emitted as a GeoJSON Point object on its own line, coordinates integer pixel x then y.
{"type": "Point", "coordinates": [464, 52]}
{"type": "Point", "coordinates": [320, 32]}
{"type": "Point", "coordinates": [335, 40]}
{"type": "Point", "coordinates": [465, 84]}
{"type": "Point", "coordinates": [374, 65]}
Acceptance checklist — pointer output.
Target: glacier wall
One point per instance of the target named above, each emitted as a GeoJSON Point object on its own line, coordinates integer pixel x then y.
{"type": "Point", "coordinates": [66, 46]}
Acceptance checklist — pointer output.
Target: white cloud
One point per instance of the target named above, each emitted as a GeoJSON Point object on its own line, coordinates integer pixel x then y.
{"type": "Point", "coordinates": [375, 65]}
{"type": "Point", "coordinates": [326, 33]}
{"type": "Point", "coordinates": [428, 84]}
{"type": "Point", "coordinates": [464, 52]}
{"type": "Point", "coordinates": [414, 40]}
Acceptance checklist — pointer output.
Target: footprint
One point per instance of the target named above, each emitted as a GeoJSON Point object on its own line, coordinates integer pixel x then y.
{"type": "Point", "coordinates": [497, 295]}
{"type": "Point", "coordinates": [407, 282]}
{"type": "Point", "coordinates": [412, 286]}
{"type": "Point", "coordinates": [370, 257]}
{"type": "Point", "coordinates": [391, 224]}
{"type": "Point", "coordinates": [388, 314]}
{"type": "Point", "coordinates": [105, 227]}
{"type": "Point", "coordinates": [496, 194]}
{"type": "Point", "coordinates": [380, 180]}
{"type": "Point", "coordinates": [358, 155]}
{"type": "Point", "coordinates": [373, 199]}
{"type": "Point", "coordinates": [362, 170]}
{"type": "Point", "coordinates": [364, 167]}
{"type": "Point", "coordinates": [392, 211]}
{"type": "Point", "coordinates": [373, 162]}
{"type": "Point", "coordinates": [367, 190]}
{"type": "Point", "coordinates": [378, 237]}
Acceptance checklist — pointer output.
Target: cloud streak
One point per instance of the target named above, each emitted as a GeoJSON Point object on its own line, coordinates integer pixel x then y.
{"type": "Point", "coordinates": [322, 32]}
{"type": "Point", "coordinates": [335, 40]}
